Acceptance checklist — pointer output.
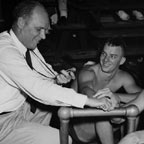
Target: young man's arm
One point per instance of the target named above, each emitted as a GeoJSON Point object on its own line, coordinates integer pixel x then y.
{"type": "Point", "coordinates": [138, 101]}
{"type": "Point", "coordinates": [130, 86]}
{"type": "Point", "coordinates": [85, 82]}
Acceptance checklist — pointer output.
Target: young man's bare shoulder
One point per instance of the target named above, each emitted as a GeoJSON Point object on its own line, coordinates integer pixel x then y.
{"type": "Point", "coordinates": [87, 72]}
{"type": "Point", "coordinates": [124, 75]}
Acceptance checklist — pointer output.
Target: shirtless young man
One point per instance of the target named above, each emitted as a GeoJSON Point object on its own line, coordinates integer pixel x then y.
{"type": "Point", "coordinates": [105, 74]}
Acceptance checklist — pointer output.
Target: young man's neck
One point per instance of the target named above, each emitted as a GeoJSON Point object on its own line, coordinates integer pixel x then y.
{"type": "Point", "coordinates": [107, 76]}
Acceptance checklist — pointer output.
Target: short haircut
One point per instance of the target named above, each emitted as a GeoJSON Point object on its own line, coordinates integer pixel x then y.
{"type": "Point", "coordinates": [25, 9]}
{"type": "Point", "coordinates": [117, 41]}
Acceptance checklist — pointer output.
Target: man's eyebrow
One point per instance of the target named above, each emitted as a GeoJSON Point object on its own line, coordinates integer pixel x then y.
{"type": "Point", "coordinates": [103, 51]}
{"type": "Point", "coordinates": [40, 27]}
{"type": "Point", "coordinates": [114, 54]}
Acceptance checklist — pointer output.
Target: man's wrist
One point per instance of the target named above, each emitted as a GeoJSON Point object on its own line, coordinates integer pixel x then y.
{"type": "Point", "coordinates": [118, 99]}
{"type": "Point", "coordinates": [91, 102]}
{"type": "Point", "coordinates": [87, 103]}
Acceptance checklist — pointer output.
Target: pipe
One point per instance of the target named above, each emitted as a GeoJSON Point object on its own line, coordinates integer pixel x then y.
{"type": "Point", "coordinates": [65, 113]}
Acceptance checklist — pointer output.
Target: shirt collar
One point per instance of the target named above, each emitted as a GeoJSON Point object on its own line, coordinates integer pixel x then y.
{"type": "Point", "coordinates": [19, 45]}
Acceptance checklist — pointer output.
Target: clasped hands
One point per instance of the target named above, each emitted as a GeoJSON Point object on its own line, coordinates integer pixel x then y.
{"type": "Point", "coordinates": [109, 100]}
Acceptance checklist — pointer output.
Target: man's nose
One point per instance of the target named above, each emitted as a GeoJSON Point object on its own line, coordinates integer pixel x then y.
{"type": "Point", "coordinates": [43, 34]}
{"type": "Point", "coordinates": [106, 58]}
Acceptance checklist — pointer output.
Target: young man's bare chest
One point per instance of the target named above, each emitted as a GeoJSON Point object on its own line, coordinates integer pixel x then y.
{"type": "Point", "coordinates": [113, 83]}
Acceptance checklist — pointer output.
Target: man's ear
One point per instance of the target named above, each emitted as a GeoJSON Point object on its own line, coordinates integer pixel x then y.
{"type": "Point", "coordinates": [21, 22]}
{"type": "Point", "coordinates": [123, 59]}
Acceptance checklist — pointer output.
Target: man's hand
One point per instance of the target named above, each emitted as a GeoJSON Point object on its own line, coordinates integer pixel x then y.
{"type": "Point", "coordinates": [102, 103]}
{"type": "Point", "coordinates": [109, 95]}
{"type": "Point", "coordinates": [107, 104]}
{"type": "Point", "coordinates": [66, 76]}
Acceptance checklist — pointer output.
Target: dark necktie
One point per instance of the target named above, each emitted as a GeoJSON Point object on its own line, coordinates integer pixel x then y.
{"type": "Point", "coordinates": [29, 62]}
{"type": "Point", "coordinates": [28, 59]}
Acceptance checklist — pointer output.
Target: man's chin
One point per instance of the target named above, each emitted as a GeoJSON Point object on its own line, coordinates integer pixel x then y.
{"type": "Point", "coordinates": [106, 70]}
{"type": "Point", "coordinates": [34, 46]}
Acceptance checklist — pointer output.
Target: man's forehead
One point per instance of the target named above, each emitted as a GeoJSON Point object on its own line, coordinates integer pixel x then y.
{"type": "Point", "coordinates": [113, 49]}
{"type": "Point", "coordinates": [40, 18]}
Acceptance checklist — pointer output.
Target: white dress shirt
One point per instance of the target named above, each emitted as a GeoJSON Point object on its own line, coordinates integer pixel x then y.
{"type": "Point", "coordinates": [17, 79]}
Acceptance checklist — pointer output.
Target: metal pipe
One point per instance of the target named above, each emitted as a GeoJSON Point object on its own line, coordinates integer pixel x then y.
{"type": "Point", "coordinates": [65, 113]}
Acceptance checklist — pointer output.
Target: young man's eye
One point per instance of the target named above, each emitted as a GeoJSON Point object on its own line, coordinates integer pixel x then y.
{"type": "Point", "coordinates": [113, 56]}
{"type": "Point", "coordinates": [103, 54]}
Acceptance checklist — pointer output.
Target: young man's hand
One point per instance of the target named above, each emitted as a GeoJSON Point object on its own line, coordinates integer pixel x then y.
{"type": "Point", "coordinates": [114, 99]}
{"type": "Point", "coordinates": [102, 103]}
{"type": "Point", "coordinates": [107, 106]}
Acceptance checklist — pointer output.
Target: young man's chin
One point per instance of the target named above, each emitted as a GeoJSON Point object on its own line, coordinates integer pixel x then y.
{"type": "Point", "coordinates": [106, 70]}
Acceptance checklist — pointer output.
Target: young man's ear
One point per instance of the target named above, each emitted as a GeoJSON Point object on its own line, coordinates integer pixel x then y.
{"type": "Point", "coordinates": [123, 59]}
